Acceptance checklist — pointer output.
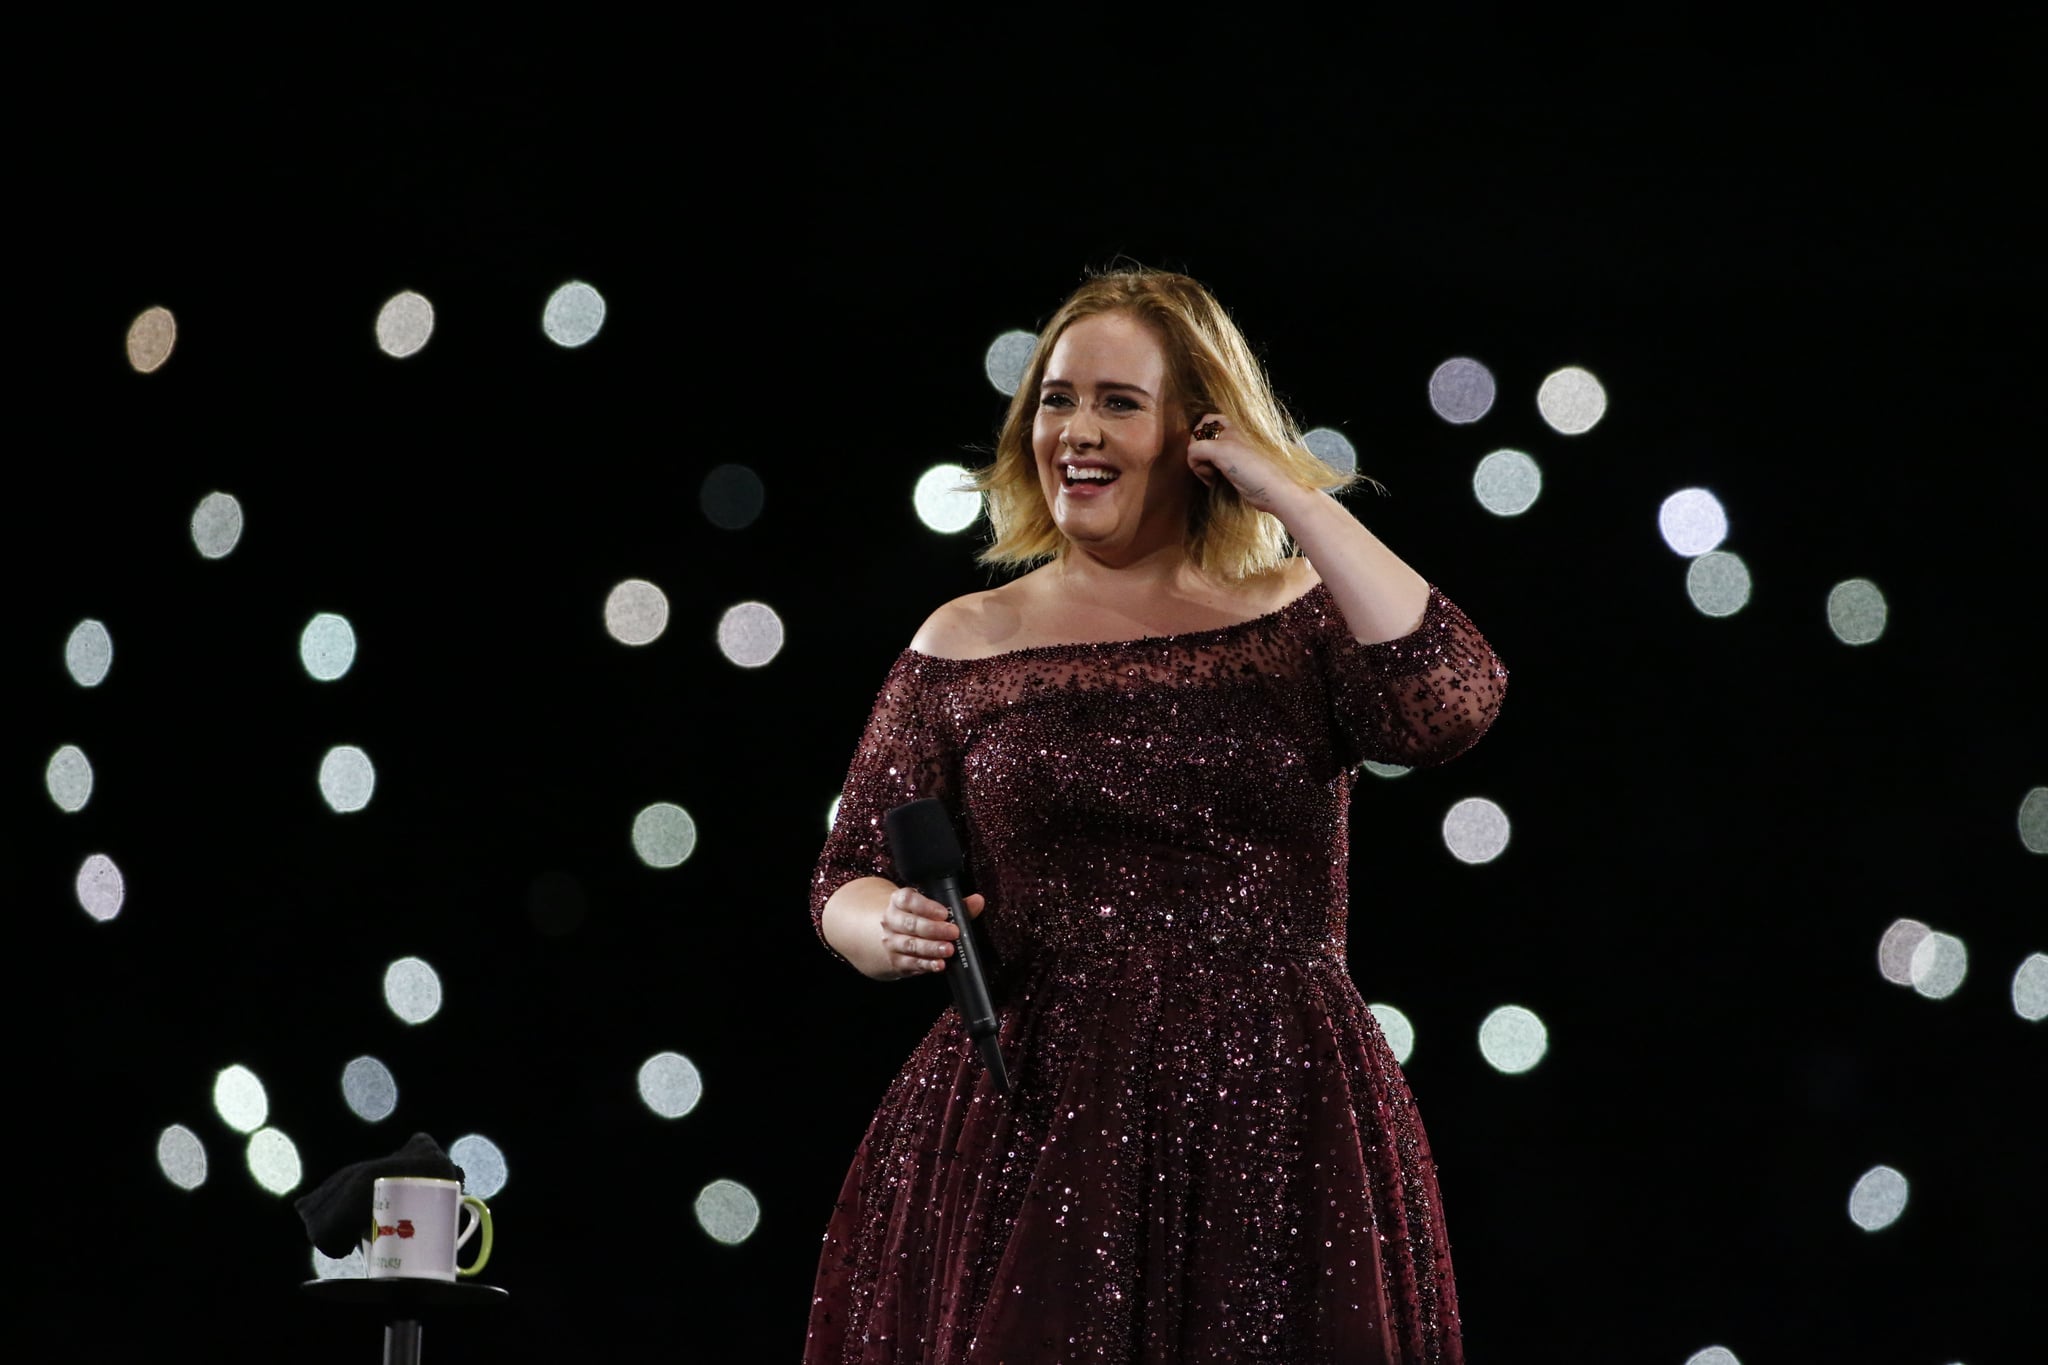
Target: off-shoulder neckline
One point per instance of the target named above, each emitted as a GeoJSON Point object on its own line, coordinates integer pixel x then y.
{"type": "Point", "coordinates": [1177, 637]}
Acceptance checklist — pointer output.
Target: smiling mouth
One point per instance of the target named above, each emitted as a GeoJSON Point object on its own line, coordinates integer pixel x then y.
{"type": "Point", "coordinates": [1086, 477]}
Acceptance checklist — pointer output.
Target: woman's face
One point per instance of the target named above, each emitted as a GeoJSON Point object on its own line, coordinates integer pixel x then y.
{"type": "Point", "coordinates": [1111, 457]}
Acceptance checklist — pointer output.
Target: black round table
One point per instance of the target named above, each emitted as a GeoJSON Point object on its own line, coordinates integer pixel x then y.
{"type": "Point", "coordinates": [403, 1305]}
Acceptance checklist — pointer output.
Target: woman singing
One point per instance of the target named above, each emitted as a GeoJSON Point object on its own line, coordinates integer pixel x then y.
{"type": "Point", "coordinates": [1148, 742]}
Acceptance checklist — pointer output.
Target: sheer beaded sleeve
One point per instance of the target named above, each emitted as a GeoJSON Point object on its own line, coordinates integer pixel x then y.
{"type": "Point", "coordinates": [905, 753]}
{"type": "Point", "coordinates": [1418, 700]}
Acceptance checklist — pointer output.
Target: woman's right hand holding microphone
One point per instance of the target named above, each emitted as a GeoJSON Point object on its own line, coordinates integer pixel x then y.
{"type": "Point", "coordinates": [916, 935]}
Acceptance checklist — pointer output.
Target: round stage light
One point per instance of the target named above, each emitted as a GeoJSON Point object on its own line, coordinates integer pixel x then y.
{"type": "Point", "coordinates": [239, 1099]}
{"type": "Point", "coordinates": [181, 1156]}
{"type": "Point", "coordinates": [664, 835]}
{"type": "Point", "coordinates": [412, 990]}
{"type": "Point", "coordinates": [1571, 400]}
{"type": "Point", "coordinates": [68, 779]}
{"type": "Point", "coordinates": [1513, 1039]}
{"type": "Point", "coordinates": [573, 314]}
{"type": "Point", "coordinates": [1895, 950]}
{"type": "Point", "coordinates": [1507, 483]}
{"type": "Point", "coordinates": [750, 634]}
{"type": "Point", "coordinates": [274, 1161]}
{"type": "Point", "coordinates": [2033, 820]}
{"type": "Point", "coordinates": [483, 1165]}
{"type": "Point", "coordinates": [1399, 1033]}
{"type": "Point", "coordinates": [832, 812]}
{"type": "Point", "coordinates": [1878, 1199]}
{"type": "Point", "coordinates": [732, 497]}
{"type": "Point", "coordinates": [327, 646]}
{"type": "Point", "coordinates": [636, 612]}
{"type": "Point", "coordinates": [943, 500]}
{"type": "Point", "coordinates": [1718, 583]}
{"type": "Point", "coordinates": [1461, 390]}
{"type": "Point", "coordinates": [1386, 769]}
{"type": "Point", "coordinates": [670, 1084]}
{"type": "Point", "coordinates": [404, 323]}
{"type": "Point", "coordinates": [88, 653]}
{"type": "Point", "coordinates": [1713, 1355]}
{"type": "Point", "coordinates": [370, 1089]}
{"type": "Point", "coordinates": [347, 779]}
{"type": "Point", "coordinates": [100, 887]}
{"type": "Point", "coordinates": [1692, 521]}
{"type": "Point", "coordinates": [1856, 611]}
{"type": "Point", "coordinates": [217, 525]}
{"type": "Point", "coordinates": [1938, 966]}
{"type": "Point", "coordinates": [150, 339]}
{"type": "Point", "coordinates": [1333, 448]}
{"type": "Point", "coordinates": [728, 1211]}
{"type": "Point", "coordinates": [1008, 356]}
{"type": "Point", "coordinates": [2030, 988]}
{"type": "Point", "coordinates": [1475, 830]}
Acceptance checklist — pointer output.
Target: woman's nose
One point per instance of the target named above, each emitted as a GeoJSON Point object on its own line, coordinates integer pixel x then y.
{"type": "Point", "coordinates": [1082, 430]}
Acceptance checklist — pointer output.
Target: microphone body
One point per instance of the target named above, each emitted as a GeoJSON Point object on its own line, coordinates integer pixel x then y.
{"type": "Point", "coordinates": [927, 854]}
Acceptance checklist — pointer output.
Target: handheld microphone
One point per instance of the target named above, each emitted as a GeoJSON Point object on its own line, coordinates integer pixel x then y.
{"type": "Point", "coordinates": [927, 854]}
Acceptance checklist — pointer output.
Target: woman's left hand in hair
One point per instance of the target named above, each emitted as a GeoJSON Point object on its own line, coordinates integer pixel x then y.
{"type": "Point", "coordinates": [1257, 479]}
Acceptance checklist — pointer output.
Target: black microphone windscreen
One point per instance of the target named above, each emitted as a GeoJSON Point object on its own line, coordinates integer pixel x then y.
{"type": "Point", "coordinates": [922, 842]}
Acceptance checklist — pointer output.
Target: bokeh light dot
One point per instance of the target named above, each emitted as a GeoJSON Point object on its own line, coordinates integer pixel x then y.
{"type": "Point", "coordinates": [1895, 950]}
{"type": "Point", "coordinates": [1939, 964]}
{"type": "Point", "coordinates": [1461, 390]}
{"type": "Point", "coordinates": [670, 1084]}
{"type": "Point", "coordinates": [100, 887]}
{"type": "Point", "coordinates": [484, 1172]}
{"type": "Point", "coordinates": [217, 525]}
{"type": "Point", "coordinates": [2033, 820]}
{"type": "Point", "coordinates": [239, 1099]}
{"type": "Point", "coordinates": [664, 835]}
{"type": "Point", "coordinates": [370, 1089]}
{"type": "Point", "coordinates": [1718, 583]}
{"type": "Point", "coordinates": [1475, 830]}
{"type": "Point", "coordinates": [2030, 988]}
{"type": "Point", "coordinates": [68, 778]}
{"type": "Point", "coordinates": [181, 1156]}
{"type": "Point", "coordinates": [943, 501]}
{"type": "Point", "coordinates": [274, 1161]}
{"type": "Point", "coordinates": [1878, 1199]}
{"type": "Point", "coordinates": [150, 339]}
{"type": "Point", "coordinates": [1333, 448]}
{"type": "Point", "coordinates": [728, 1211]}
{"type": "Point", "coordinates": [1387, 770]}
{"type": "Point", "coordinates": [327, 646]}
{"type": "Point", "coordinates": [1507, 483]}
{"type": "Point", "coordinates": [750, 634]}
{"type": "Point", "coordinates": [412, 990]}
{"type": "Point", "coordinates": [1713, 1355]}
{"type": "Point", "coordinates": [832, 812]}
{"type": "Point", "coordinates": [732, 497]}
{"type": "Point", "coordinates": [347, 779]}
{"type": "Point", "coordinates": [573, 315]}
{"type": "Point", "coordinates": [88, 653]}
{"type": "Point", "coordinates": [1856, 611]}
{"type": "Point", "coordinates": [1571, 400]}
{"type": "Point", "coordinates": [1399, 1033]}
{"type": "Point", "coordinates": [404, 324]}
{"type": "Point", "coordinates": [635, 612]}
{"type": "Point", "coordinates": [1513, 1039]}
{"type": "Point", "coordinates": [1006, 360]}
{"type": "Point", "coordinates": [1692, 521]}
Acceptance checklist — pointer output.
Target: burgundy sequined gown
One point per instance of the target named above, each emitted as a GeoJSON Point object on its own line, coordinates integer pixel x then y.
{"type": "Point", "coordinates": [1209, 1153]}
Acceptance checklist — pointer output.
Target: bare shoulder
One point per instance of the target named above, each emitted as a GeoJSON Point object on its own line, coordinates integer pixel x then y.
{"type": "Point", "coordinates": [1293, 578]}
{"type": "Point", "coordinates": [972, 627]}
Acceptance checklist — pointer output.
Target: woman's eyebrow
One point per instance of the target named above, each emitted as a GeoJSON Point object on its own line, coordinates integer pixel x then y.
{"type": "Point", "coordinates": [1105, 384]}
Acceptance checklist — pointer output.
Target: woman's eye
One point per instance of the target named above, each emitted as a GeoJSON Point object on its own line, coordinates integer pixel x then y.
{"type": "Point", "coordinates": [1052, 400]}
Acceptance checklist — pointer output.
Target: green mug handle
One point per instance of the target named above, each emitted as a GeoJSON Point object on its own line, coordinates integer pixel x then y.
{"type": "Point", "coordinates": [483, 1255]}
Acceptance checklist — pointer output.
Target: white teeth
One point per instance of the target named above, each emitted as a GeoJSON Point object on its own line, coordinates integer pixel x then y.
{"type": "Point", "coordinates": [1079, 475]}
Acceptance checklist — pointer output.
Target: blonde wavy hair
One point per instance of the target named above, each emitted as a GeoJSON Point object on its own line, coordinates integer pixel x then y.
{"type": "Point", "coordinates": [1209, 368]}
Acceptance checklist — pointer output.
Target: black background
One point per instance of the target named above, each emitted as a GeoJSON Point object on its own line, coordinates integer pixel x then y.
{"type": "Point", "coordinates": [1802, 257]}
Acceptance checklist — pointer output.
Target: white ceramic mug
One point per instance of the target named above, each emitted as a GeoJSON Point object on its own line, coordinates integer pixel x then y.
{"type": "Point", "coordinates": [412, 1229]}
